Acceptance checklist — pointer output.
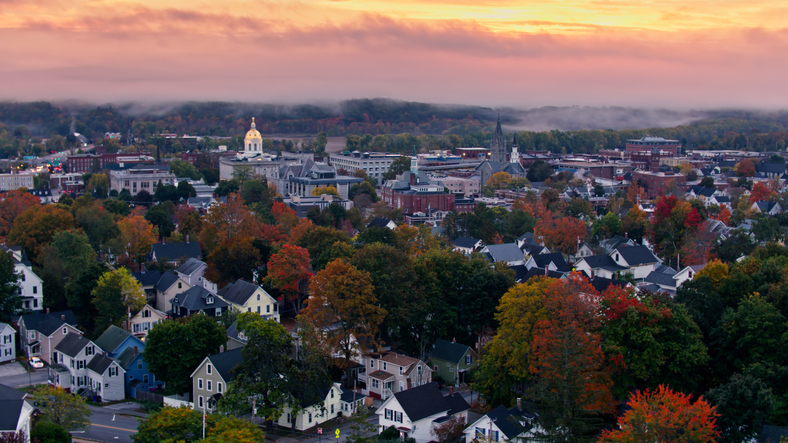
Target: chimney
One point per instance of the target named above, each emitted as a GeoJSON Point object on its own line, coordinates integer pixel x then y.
{"type": "Point", "coordinates": [451, 390]}
{"type": "Point", "coordinates": [592, 273]}
{"type": "Point", "coordinates": [546, 271]}
{"type": "Point", "coordinates": [221, 349]}
{"type": "Point", "coordinates": [63, 317]}
{"type": "Point", "coordinates": [187, 238]}
{"type": "Point", "coordinates": [626, 235]}
{"type": "Point", "coordinates": [519, 403]}
{"type": "Point", "coordinates": [104, 353]}
{"type": "Point", "coordinates": [47, 310]}
{"type": "Point", "coordinates": [136, 350]}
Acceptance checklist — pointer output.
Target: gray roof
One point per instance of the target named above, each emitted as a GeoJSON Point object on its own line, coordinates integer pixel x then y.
{"type": "Point", "coordinates": [72, 344]}
{"type": "Point", "coordinates": [506, 252]}
{"type": "Point", "coordinates": [176, 251]}
{"type": "Point", "coordinates": [194, 299]}
{"type": "Point", "coordinates": [465, 242]}
{"type": "Point", "coordinates": [48, 323]}
{"type": "Point", "coordinates": [379, 222]}
{"type": "Point", "coordinates": [603, 262]}
{"type": "Point", "coordinates": [147, 278]}
{"type": "Point", "coordinates": [543, 260]}
{"type": "Point", "coordinates": [232, 332]}
{"type": "Point", "coordinates": [238, 292]}
{"type": "Point", "coordinates": [348, 396]}
{"type": "Point", "coordinates": [166, 281]}
{"type": "Point", "coordinates": [507, 420]}
{"type": "Point", "coordinates": [425, 400]}
{"type": "Point", "coordinates": [12, 409]}
{"type": "Point", "coordinates": [448, 351]}
{"type": "Point", "coordinates": [127, 357]}
{"type": "Point", "coordinates": [660, 279]}
{"type": "Point", "coordinates": [191, 266]}
{"type": "Point", "coordinates": [112, 338]}
{"type": "Point", "coordinates": [99, 363]}
{"type": "Point", "coordinates": [224, 362]}
{"type": "Point", "coordinates": [637, 255]}
{"type": "Point", "coordinates": [601, 283]}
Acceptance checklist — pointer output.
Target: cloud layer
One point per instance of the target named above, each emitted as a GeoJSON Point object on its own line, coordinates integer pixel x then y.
{"type": "Point", "coordinates": [498, 54]}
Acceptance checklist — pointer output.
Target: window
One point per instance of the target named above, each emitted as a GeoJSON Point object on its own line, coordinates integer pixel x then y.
{"type": "Point", "coordinates": [81, 364]}
{"type": "Point", "coordinates": [468, 359]}
{"type": "Point", "coordinates": [401, 370]}
{"type": "Point", "coordinates": [384, 365]}
{"type": "Point", "coordinates": [494, 435]}
{"type": "Point", "coordinates": [480, 432]}
{"type": "Point", "coordinates": [32, 334]}
{"type": "Point", "coordinates": [113, 371]}
{"type": "Point", "coordinates": [267, 309]}
{"type": "Point", "coordinates": [209, 369]}
{"type": "Point", "coordinates": [289, 418]}
{"type": "Point", "coordinates": [258, 297]}
{"type": "Point", "coordinates": [180, 285]}
{"type": "Point", "coordinates": [209, 383]}
{"type": "Point", "coordinates": [398, 417]}
{"type": "Point", "coordinates": [89, 350]}
{"type": "Point", "coordinates": [401, 385]}
{"type": "Point", "coordinates": [371, 363]}
{"type": "Point", "coordinates": [35, 289]}
{"type": "Point", "coordinates": [145, 378]}
{"type": "Point", "coordinates": [332, 393]}
{"type": "Point", "coordinates": [219, 387]}
{"type": "Point", "coordinates": [23, 276]}
{"type": "Point", "coordinates": [139, 365]}
{"type": "Point", "coordinates": [310, 417]}
{"type": "Point", "coordinates": [249, 309]}
{"type": "Point", "coordinates": [332, 408]}
{"type": "Point", "coordinates": [258, 309]}
{"type": "Point", "coordinates": [199, 401]}
{"type": "Point", "coordinates": [199, 383]}
{"type": "Point", "coordinates": [65, 331]}
{"type": "Point", "coordinates": [375, 383]}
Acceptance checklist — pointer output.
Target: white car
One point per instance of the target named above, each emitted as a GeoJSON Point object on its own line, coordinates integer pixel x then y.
{"type": "Point", "coordinates": [36, 362]}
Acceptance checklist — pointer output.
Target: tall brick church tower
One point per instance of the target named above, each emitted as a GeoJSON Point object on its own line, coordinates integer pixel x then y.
{"type": "Point", "coordinates": [498, 145]}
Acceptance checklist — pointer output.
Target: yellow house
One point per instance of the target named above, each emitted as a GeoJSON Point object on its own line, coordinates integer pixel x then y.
{"type": "Point", "coordinates": [249, 297]}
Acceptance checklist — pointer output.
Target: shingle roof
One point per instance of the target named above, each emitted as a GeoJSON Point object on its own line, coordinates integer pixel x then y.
{"type": "Point", "coordinates": [465, 242]}
{"type": "Point", "coordinates": [539, 272]}
{"type": "Point", "coordinates": [72, 344]}
{"type": "Point", "coordinates": [379, 222]}
{"type": "Point", "coordinates": [12, 409]}
{"type": "Point", "coordinates": [425, 400]}
{"type": "Point", "coordinates": [147, 278]}
{"type": "Point", "coordinates": [9, 393]}
{"type": "Point", "coordinates": [112, 338]}
{"type": "Point", "coordinates": [99, 364]}
{"type": "Point", "coordinates": [127, 357]}
{"type": "Point", "coordinates": [190, 266]}
{"type": "Point", "coordinates": [348, 396]}
{"type": "Point", "coordinates": [194, 299]}
{"type": "Point", "coordinates": [506, 252]}
{"type": "Point", "coordinates": [660, 279]}
{"type": "Point", "coordinates": [166, 281]}
{"type": "Point", "coordinates": [543, 260]}
{"type": "Point", "coordinates": [49, 322]}
{"type": "Point", "coordinates": [601, 283]}
{"type": "Point", "coordinates": [238, 292]}
{"type": "Point", "coordinates": [224, 362]}
{"type": "Point", "coordinates": [637, 255]}
{"type": "Point", "coordinates": [506, 420]}
{"type": "Point", "coordinates": [603, 262]}
{"type": "Point", "coordinates": [448, 351]}
{"type": "Point", "coordinates": [176, 251]}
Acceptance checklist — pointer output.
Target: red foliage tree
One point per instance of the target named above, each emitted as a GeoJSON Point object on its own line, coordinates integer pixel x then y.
{"type": "Point", "coordinates": [664, 415]}
{"type": "Point", "coordinates": [561, 233]}
{"type": "Point", "coordinates": [13, 203]}
{"type": "Point", "coordinates": [761, 192]}
{"type": "Point", "coordinates": [286, 269]}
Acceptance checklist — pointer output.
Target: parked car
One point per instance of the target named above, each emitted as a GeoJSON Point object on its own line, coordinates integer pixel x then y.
{"type": "Point", "coordinates": [36, 362]}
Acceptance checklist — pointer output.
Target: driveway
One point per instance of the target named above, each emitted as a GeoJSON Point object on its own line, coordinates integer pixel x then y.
{"type": "Point", "coordinates": [10, 369]}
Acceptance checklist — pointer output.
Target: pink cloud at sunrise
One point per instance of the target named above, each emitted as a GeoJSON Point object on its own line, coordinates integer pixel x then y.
{"type": "Point", "coordinates": [684, 54]}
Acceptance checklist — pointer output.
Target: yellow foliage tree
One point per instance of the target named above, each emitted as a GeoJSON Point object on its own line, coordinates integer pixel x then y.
{"type": "Point", "coordinates": [325, 190]}
{"type": "Point", "coordinates": [138, 235]}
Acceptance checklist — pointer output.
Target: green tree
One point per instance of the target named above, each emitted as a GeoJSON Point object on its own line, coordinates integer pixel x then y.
{"type": "Point", "coordinates": [80, 298]}
{"type": "Point", "coordinates": [185, 191]}
{"type": "Point", "coordinates": [184, 169]}
{"type": "Point", "coordinates": [44, 432]}
{"type": "Point", "coordinates": [117, 207]}
{"type": "Point", "coordinates": [257, 191]}
{"type": "Point", "coordinates": [318, 241]}
{"type": "Point", "coordinates": [183, 424]}
{"type": "Point", "coordinates": [116, 294]}
{"type": "Point", "coordinates": [539, 171]}
{"type": "Point", "coordinates": [195, 339]}
{"type": "Point", "coordinates": [165, 193]}
{"type": "Point", "coordinates": [227, 187]}
{"type": "Point", "coordinates": [62, 408]}
{"type": "Point", "coordinates": [9, 287]}
{"type": "Point", "coordinates": [265, 360]}
{"type": "Point", "coordinates": [161, 216]}
{"type": "Point", "coordinates": [607, 226]}
{"type": "Point", "coordinates": [398, 166]}
{"type": "Point", "coordinates": [744, 404]}
{"type": "Point", "coordinates": [98, 224]}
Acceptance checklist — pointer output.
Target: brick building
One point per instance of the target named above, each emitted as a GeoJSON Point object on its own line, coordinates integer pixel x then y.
{"type": "Point", "coordinates": [82, 163]}
{"type": "Point", "coordinates": [672, 148]}
{"type": "Point", "coordinates": [414, 192]}
{"type": "Point", "coordinates": [656, 183]}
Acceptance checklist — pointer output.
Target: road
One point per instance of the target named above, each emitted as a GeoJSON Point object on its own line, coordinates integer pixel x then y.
{"type": "Point", "coordinates": [15, 376]}
{"type": "Point", "coordinates": [107, 426]}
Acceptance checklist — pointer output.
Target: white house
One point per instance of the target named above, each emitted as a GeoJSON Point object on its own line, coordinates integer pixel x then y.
{"type": "Point", "coordinates": [688, 273]}
{"type": "Point", "coordinates": [30, 285]}
{"type": "Point", "coordinates": [313, 414]}
{"type": "Point", "coordinates": [466, 245]}
{"type": "Point", "coordinates": [7, 342]}
{"type": "Point", "coordinates": [417, 412]}
{"type": "Point", "coordinates": [599, 266]}
{"type": "Point", "coordinates": [16, 412]}
{"type": "Point", "coordinates": [106, 378]}
{"type": "Point", "coordinates": [639, 259]}
{"type": "Point", "coordinates": [502, 425]}
{"type": "Point", "coordinates": [69, 368]}
{"type": "Point", "coordinates": [508, 253]}
{"type": "Point", "coordinates": [193, 273]}
{"type": "Point", "coordinates": [144, 321]}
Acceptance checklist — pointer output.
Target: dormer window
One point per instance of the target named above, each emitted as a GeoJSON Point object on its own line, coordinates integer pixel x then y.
{"type": "Point", "coordinates": [209, 300]}
{"type": "Point", "coordinates": [175, 300]}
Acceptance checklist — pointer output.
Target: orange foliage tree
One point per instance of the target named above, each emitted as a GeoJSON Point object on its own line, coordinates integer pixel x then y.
{"type": "Point", "coordinates": [663, 415]}
{"type": "Point", "coordinates": [34, 228]}
{"type": "Point", "coordinates": [562, 233]}
{"type": "Point", "coordinates": [746, 168]}
{"type": "Point", "coordinates": [286, 269]}
{"type": "Point", "coordinates": [138, 236]}
{"type": "Point", "coordinates": [567, 361]}
{"type": "Point", "coordinates": [343, 303]}
{"type": "Point", "coordinates": [724, 215]}
{"type": "Point", "coordinates": [761, 192]}
{"type": "Point", "coordinates": [228, 221]}
{"type": "Point", "coordinates": [232, 260]}
{"type": "Point", "coordinates": [13, 203]}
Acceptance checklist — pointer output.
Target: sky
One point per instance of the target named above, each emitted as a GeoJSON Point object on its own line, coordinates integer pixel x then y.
{"type": "Point", "coordinates": [651, 54]}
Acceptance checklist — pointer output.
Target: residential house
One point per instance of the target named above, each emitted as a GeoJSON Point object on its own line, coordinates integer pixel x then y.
{"type": "Point", "coordinates": [148, 280]}
{"type": "Point", "coordinates": [583, 251]}
{"type": "Point", "coordinates": [508, 253]}
{"type": "Point", "coordinates": [17, 413]}
{"type": "Point", "coordinates": [389, 373]}
{"type": "Point", "coordinates": [211, 378]}
{"type": "Point", "coordinates": [249, 297]}
{"type": "Point", "coordinates": [143, 321]}
{"type": "Point", "coordinates": [168, 286]}
{"type": "Point", "coordinates": [523, 274]}
{"type": "Point", "coordinates": [115, 340]}
{"type": "Point", "coordinates": [193, 273]}
{"type": "Point", "coordinates": [614, 242]}
{"type": "Point", "coordinates": [418, 411]}
{"type": "Point", "coordinates": [40, 333]}
{"type": "Point", "coordinates": [502, 425]}
{"type": "Point", "coordinates": [197, 300]}
{"type": "Point", "coordinates": [235, 338]}
{"type": "Point", "coordinates": [175, 253]}
{"type": "Point", "coordinates": [552, 261]}
{"type": "Point", "coordinates": [466, 245]}
{"type": "Point", "coordinates": [688, 273]}
{"type": "Point", "coordinates": [7, 342]}
{"type": "Point", "coordinates": [69, 368]}
{"type": "Point", "coordinates": [601, 283]}
{"type": "Point", "coordinates": [599, 266]}
{"type": "Point", "coordinates": [767, 207]}
{"type": "Point", "coordinates": [721, 200]}
{"type": "Point", "coordinates": [639, 259]}
{"type": "Point", "coordinates": [137, 375]}
{"type": "Point", "coordinates": [350, 401]}
{"type": "Point", "coordinates": [382, 222]}
{"type": "Point", "coordinates": [452, 361]}
{"type": "Point", "coordinates": [312, 414]}
{"type": "Point", "coordinates": [106, 378]}
{"type": "Point", "coordinates": [660, 281]}
{"type": "Point", "coordinates": [30, 285]}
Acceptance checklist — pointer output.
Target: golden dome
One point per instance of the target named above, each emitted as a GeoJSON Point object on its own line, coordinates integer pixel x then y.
{"type": "Point", "coordinates": [253, 134]}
